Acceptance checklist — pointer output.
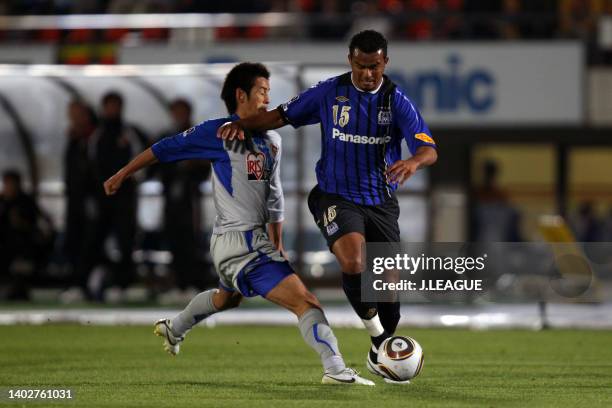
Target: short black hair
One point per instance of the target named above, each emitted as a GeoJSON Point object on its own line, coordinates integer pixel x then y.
{"type": "Point", "coordinates": [181, 102]}
{"type": "Point", "coordinates": [242, 76]}
{"type": "Point", "coordinates": [112, 96]}
{"type": "Point", "coordinates": [368, 41]}
{"type": "Point", "coordinates": [12, 174]}
{"type": "Point", "coordinates": [91, 112]}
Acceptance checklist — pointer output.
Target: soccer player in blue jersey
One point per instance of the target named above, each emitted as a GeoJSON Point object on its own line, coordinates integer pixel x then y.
{"type": "Point", "coordinates": [364, 117]}
{"type": "Point", "coordinates": [247, 195]}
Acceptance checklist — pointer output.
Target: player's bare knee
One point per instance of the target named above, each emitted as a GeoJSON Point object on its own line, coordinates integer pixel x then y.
{"type": "Point", "coordinates": [233, 301]}
{"type": "Point", "coordinates": [312, 300]}
{"type": "Point", "coordinates": [223, 300]}
{"type": "Point", "coordinates": [306, 301]}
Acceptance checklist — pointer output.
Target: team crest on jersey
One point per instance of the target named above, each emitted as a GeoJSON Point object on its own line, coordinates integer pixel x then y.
{"type": "Point", "coordinates": [256, 166]}
{"type": "Point", "coordinates": [384, 117]}
{"type": "Point", "coordinates": [342, 98]}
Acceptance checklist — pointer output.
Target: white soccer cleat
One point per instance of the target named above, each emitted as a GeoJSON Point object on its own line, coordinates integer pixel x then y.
{"type": "Point", "coordinates": [374, 368]}
{"type": "Point", "coordinates": [346, 376]}
{"type": "Point", "coordinates": [172, 343]}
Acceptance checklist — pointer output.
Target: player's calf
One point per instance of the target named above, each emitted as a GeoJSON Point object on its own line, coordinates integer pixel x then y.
{"type": "Point", "coordinates": [225, 300]}
{"type": "Point", "coordinates": [202, 306]}
{"type": "Point", "coordinates": [316, 332]}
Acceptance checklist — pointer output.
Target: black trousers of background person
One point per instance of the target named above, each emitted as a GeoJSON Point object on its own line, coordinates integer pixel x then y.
{"type": "Point", "coordinates": [115, 215]}
{"type": "Point", "coordinates": [75, 231]}
{"type": "Point", "coordinates": [181, 231]}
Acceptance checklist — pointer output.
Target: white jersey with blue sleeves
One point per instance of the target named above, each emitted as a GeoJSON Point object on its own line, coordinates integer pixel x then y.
{"type": "Point", "coordinates": [246, 185]}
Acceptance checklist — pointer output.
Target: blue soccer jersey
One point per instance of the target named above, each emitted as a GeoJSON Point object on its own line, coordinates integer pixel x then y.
{"type": "Point", "coordinates": [361, 134]}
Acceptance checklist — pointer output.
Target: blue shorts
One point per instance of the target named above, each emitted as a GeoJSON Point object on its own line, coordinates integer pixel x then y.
{"type": "Point", "coordinates": [261, 279]}
{"type": "Point", "coordinates": [248, 262]}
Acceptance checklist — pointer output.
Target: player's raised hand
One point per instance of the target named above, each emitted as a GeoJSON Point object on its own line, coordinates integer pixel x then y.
{"type": "Point", "coordinates": [112, 184]}
{"type": "Point", "coordinates": [241, 146]}
{"type": "Point", "coordinates": [230, 131]}
{"type": "Point", "coordinates": [401, 171]}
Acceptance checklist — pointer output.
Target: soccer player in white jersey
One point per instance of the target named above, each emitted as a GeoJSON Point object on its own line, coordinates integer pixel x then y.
{"type": "Point", "coordinates": [247, 196]}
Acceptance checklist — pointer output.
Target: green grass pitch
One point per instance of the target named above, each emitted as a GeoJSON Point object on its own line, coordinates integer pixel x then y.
{"type": "Point", "coordinates": [251, 366]}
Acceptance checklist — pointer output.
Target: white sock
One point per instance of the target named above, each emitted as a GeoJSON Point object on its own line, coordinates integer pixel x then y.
{"type": "Point", "coordinates": [373, 326]}
{"type": "Point", "coordinates": [317, 334]}
{"type": "Point", "coordinates": [197, 310]}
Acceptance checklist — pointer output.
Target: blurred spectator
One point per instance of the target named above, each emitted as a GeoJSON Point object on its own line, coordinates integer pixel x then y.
{"type": "Point", "coordinates": [494, 219]}
{"type": "Point", "coordinates": [367, 16]}
{"type": "Point", "coordinates": [84, 6]}
{"type": "Point", "coordinates": [227, 6]}
{"type": "Point", "coordinates": [182, 224]}
{"type": "Point", "coordinates": [541, 19]}
{"type": "Point", "coordinates": [26, 237]}
{"type": "Point", "coordinates": [77, 179]}
{"type": "Point", "coordinates": [329, 21]}
{"type": "Point", "coordinates": [451, 24]}
{"type": "Point", "coordinates": [421, 27]}
{"type": "Point", "coordinates": [142, 6]}
{"type": "Point", "coordinates": [511, 24]}
{"type": "Point", "coordinates": [607, 227]}
{"type": "Point", "coordinates": [39, 7]}
{"type": "Point", "coordinates": [586, 225]}
{"type": "Point", "coordinates": [435, 19]}
{"type": "Point", "coordinates": [112, 145]}
{"type": "Point", "coordinates": [578, 18]}
{"type": "Point", "coordinates": [483, 16]}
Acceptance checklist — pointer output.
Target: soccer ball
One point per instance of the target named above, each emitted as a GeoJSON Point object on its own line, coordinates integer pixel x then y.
{"type": "Point", "coordinates": [400, 358]}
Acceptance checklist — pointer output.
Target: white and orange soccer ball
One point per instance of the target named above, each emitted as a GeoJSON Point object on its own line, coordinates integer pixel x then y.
{"type": "Point", "coordinates": [400, 358]}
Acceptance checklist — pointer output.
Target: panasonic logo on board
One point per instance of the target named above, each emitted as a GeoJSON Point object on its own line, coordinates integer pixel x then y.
{"type": "Point", "coordinates": [450, 88]}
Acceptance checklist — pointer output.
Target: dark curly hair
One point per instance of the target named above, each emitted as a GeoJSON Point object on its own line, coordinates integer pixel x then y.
{"type": "Point", "coordinates": [368, 41]}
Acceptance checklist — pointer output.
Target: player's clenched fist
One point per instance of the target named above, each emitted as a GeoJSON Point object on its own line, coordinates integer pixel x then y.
{"type": "Point", "coordinates": [230, 131]}
{"type": "Point", "coordinates": [112, 184]}
{"type": "Point", "coordinates": [401, 171]}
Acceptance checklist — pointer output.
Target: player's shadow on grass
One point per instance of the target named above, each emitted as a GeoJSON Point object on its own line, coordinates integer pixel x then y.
{"type": "Point", "coordinates": [280, 390]}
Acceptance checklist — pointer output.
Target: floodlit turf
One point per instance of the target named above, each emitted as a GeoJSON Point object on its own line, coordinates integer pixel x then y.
{"type": "Point", "coordinates": [270, 366]}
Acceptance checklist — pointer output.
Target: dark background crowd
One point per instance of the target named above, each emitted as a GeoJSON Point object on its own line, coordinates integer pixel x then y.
{"type": "Point", "coordinates": [101, 245]}
{"type": "Point", "coordinates": [317, 20]}
{"type": "Point", "coordinates": [96, 249]}
{"type": "Point", "coordinates": [97, 245]}
{"type": "Point", "coordinates": [335, 19]}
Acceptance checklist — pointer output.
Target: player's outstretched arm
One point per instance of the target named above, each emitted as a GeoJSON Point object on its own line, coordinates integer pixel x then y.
{"type": "Point", "coordinates": [258, 123]}
{"type": "Point", "coordinates": [144, 159]}
{"type": "Point", "coordinates": [402, 170]}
